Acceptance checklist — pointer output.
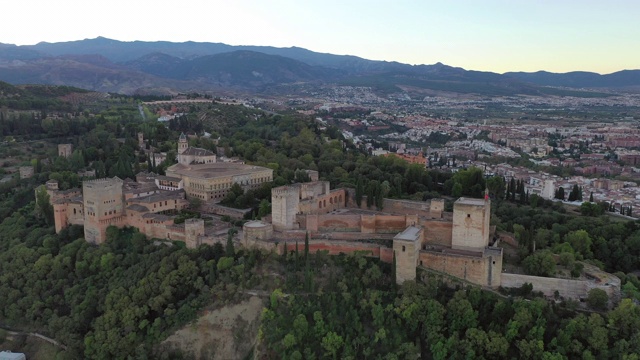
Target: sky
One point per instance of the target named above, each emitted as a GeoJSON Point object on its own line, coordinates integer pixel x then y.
{"type": "Point", "coordinates": [602, 36]}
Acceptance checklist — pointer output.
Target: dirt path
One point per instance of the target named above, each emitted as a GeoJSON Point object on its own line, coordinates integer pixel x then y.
{"type": "Point", "coordinates": [15, 332]}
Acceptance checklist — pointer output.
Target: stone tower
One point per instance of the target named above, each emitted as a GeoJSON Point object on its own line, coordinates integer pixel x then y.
{"type": "Point", "coordinates": [406, 248]}
{"type": "Point", "coordinates": [193, 230]}
{"type": "Point", "coordinates": [65, 150]}
{"type": "Point", "coordinates": [285, 201]}
{"type": "Point", "coordinates": [103, 206]}
{"type": "Point", "coordinates": [436, 208]}
{"type": "Point", "coordinates": [140, 139]}
{"type": "Point", "coordinates": [183, 144]}
{"type": "Point", "coordinates": [549, 189]}
{"type": "Point", "coordinates": [471, 226]}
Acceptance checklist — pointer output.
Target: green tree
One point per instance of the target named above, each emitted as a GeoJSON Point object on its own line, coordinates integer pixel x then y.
{"type": "Point", "coordinates": [264, 208]}
{"type": "Point", "coordinates": [230, 250]}
{"type": "Point", "coordinates": [332, 343]}
{"type": "Point", "coordinates": [44, 209]}
{"type": "Point", "coordinates": [597, 299]}
{"type": "Point", "coordinates": [581, 242]}
{"type": "Point", "coordinates": [540, 263]}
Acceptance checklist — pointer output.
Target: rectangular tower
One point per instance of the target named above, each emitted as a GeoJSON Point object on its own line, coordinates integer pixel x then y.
{"type": "Point", "coordinates": [406, 248]}
{"type": "Point", "coordinates": [471, 226]}
{"type": "Point", "coordinates": [103, 206]}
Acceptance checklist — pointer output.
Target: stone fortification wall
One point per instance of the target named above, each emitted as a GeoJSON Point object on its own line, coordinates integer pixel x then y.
{"type": "Point", "coordinates": [394, 223]}
{"type": "Point", "coordinates": [341, 236]}
{"type": "Point", "coordinates": [470, 268]}
{"type": "Point", "coordinates": [365, 224]}
{"type": "Point", "coordinates": [392, 206]}
{"type": "Point", "coordinates": [437, 232]}
{"type": "Point", "coordinates": [573, 289]}
{"type": "Point", "coordinates": [568, 288]}
{"type": "Point", "coordinates": [340, 223]}
{"type": "Point", "coordinates": [335, 248]}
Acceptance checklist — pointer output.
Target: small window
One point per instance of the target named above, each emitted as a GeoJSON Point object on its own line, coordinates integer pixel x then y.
{"type": "Point", "coordinates": [403, 248]}
{"type": "Point", "coordinates": [468, 215]}
{"type": "Point", "coordinates": [494, 263]}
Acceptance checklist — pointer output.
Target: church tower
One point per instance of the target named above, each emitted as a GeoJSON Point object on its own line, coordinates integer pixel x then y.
{"type": "Point", "coordinates": [183, 144]}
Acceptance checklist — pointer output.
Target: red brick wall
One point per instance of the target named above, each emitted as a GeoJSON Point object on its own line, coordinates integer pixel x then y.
{"type": "Point", "coordinates": [437, 232]}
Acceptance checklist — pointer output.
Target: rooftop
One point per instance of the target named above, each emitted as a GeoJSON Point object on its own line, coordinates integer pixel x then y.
{"type": "Point", "coordinates": [409, 234]}
{"type": "Point", "coordinates": [197, 152]}
{"type": "Point", "coordinates": [470, 201]}
{"type": "Point", "coordinates": [214, 170]}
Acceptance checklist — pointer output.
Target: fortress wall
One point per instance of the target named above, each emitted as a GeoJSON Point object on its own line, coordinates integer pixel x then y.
{"type": "Point", "coordinates": [336, 235]}
{"type": "Point", "coordinates": [365, 224]}
{"type": "Point", "coordinates": [573, 289]}
{"type": "Point", "coordinates": [393, 206]}
{"type": "Point", "coordinates": [338, 223]}
{"type": "Point", "coordinates": [390, 223]}
{"type": "Point", "coordinates": [386, 255]}
{"type": "Point", "coordinates": [420, 208]}
{"type": "Point", "coordinates": [437, 232]}
{"type": "Point", "coordinates": [368, 224]}
{"type": "Point", "coordinates": [469, 268]}
{"type": "Point", "coordinates": [333, 247]}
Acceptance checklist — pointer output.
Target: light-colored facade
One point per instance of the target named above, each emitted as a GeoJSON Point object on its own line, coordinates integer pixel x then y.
{"type": "Point", "coordinates": [192, 155]}
{"type": "Point", "coordinates": [406, 249]}
{"type": "Point", "coordinates": [65, 150]}
{"type": "Point", "coordinates": [471, 226]}
{"type": "Point", "coordinates": [212, 182]}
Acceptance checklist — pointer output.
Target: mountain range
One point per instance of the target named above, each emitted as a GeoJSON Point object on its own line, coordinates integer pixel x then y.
{"type": "Point", "coordinates": [107, 65]}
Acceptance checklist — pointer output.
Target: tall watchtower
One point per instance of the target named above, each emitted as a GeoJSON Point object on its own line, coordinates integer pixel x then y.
{"type": "Point", "coordinates": [285, 201]}
{"type": "Point", "coordinates": [471, 226]}
{"type": "Point", "coordinates": [183, 144]}
{"type": "Point", "coordinates": [406, 249]}
{"type": "Point", "coordinates": [103, 206]}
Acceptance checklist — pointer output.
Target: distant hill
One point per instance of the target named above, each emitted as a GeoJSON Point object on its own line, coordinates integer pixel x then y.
{"type": "Point", "coordinates": [107, 65]}
{"type": "Point", "coordinates": [580, 79]}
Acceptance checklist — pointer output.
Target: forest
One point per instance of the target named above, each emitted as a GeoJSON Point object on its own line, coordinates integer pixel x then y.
{"type": "Point", "coordinates": [349, 308]}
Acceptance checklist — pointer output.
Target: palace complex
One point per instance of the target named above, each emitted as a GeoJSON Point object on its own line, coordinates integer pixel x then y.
{"type": "Point", "coordinates": [151, 202]}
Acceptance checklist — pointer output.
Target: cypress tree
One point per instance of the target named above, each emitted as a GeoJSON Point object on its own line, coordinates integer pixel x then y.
{"type": "Point", "coordinates": [296, 255]}
{"type": "Point", "coordinates": [591, 197]}
{"type": "Point", "coordinates": [394, 278]}
{"type": "Point", "coordinates": [359, 191]}
{"type": "Point", "coordinates": [230, 251]}
{"type": "Point", "coordinates": [306, 249]}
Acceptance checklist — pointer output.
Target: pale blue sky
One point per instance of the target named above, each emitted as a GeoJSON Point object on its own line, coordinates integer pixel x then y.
{"type": "Point", "coordinates": [490, 35]}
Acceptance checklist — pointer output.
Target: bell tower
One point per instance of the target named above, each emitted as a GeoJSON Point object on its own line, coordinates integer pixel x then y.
{"type": "Point", "coordinates": [183, 144]}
